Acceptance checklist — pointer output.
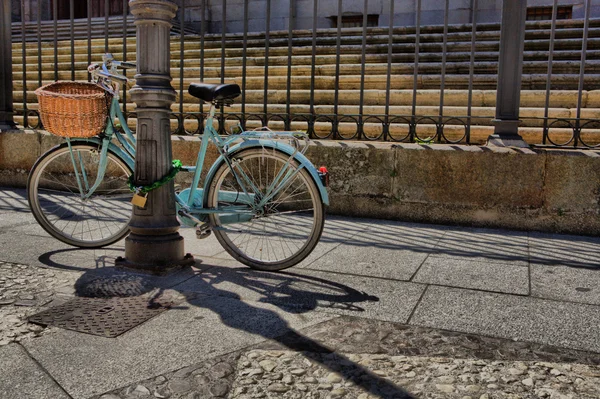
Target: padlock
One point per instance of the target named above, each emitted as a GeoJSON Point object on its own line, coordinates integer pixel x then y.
{"type": "Point", "coordinates": [139, 199]}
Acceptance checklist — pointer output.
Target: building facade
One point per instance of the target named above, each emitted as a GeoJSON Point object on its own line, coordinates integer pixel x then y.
{"type": "Point", "coordinates": [300, 12]}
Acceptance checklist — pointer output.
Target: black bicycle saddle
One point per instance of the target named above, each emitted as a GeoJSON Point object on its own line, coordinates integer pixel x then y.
{"type": "Point", "coordinates": [210, 93]}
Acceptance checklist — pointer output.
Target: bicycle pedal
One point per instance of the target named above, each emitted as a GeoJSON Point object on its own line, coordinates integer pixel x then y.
{"type": "Point", "coordinates": [202, 234]}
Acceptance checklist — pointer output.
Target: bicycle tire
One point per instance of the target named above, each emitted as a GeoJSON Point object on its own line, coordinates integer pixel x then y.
{"type": "Point", "coordinates": [54, 197]}
{"type": "Point", "coordinates": [298, 230]}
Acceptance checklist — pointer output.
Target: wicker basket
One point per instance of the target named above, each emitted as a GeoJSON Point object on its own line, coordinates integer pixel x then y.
{"type": "Point", "coordinates": [73, 109]}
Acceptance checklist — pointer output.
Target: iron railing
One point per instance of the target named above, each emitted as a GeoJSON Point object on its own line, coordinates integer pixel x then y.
{"type": "Point", "coordinates": [397, 83]}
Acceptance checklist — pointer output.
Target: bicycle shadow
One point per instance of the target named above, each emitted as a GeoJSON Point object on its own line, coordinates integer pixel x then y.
{"type": "Point", "coordinates": [288, 291]}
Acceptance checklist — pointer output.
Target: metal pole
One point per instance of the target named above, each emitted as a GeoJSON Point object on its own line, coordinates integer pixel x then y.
{"type": "Point", "coordinates": [510, 69]}
{"type": "Point", "coordinates": [6, 84]}
{"type": "Point", "coordinates": [154, 244]}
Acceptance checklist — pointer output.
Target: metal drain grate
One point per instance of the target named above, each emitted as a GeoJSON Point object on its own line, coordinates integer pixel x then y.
{"type": "Point", "coordinates": [100, 316]}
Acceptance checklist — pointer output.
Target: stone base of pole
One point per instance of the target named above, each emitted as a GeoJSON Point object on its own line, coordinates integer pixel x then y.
{"type": "Point", "coordinates": [6, 122]}
{"type": "Point", "coordinates": [160, 257]}
{"type": "Point", "coordinates": [506, 140]}
{"type": "Point", "coordinates": [506, 134]}
{"type": "Point", "coordinates": [6, 128]}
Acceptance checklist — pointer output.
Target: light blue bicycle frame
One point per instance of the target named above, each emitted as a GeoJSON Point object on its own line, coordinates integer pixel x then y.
{"type": "Point", "coordinates": [191, 200]}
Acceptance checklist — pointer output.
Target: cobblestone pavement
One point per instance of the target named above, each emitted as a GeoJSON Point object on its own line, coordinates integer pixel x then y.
{"type": "Point", "coordinates": [363, 357]}
{"type": "Point", "coordinates": [346, 357]}
{"type": "Point", "coordinates": [23, 291]}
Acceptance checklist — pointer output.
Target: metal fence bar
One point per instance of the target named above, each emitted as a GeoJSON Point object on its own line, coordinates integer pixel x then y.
{"type": "Point", "coordinates": [89, 35]}
{"type": "Point", "coordinates": [266, 84]}
{"type": "Point", "coordinates": [125, 88]}
{"type": "Point", "coordinates": [510, 71]}
{"type": "Point", "coordinates": [72, 18]}
{"type": "Point", "coordinates": [388, 85]}
{"type": "Point", "coordinates": [55, 15]}
{"type": "Point", "coordinates": [413, 127]}
{"type": "Point", "coordinates": [24, 60]}
{"type": "Point", "coordinates": [440, 132]}
{"type": "Point", "coordinates": [288, 97]}
{"type": "Point", "coordinates": [106, 15]}
{"type": "Point", "coordinates": [6, 71]}
{"type": "Point", "coordinates": [471, 69]}
{"type": "Point", "coordinates": [244, 63]}
{"type": "Point", "coordinates": [223, 31]}
{"type": "Point", "coordinates": [181, 54]}
{"type": "Point", "coordinates": [202, 32]}
{"type": "Point", "coordinates": [39, 44]}
{"type": "Point", "coordinates": [586, 27]}
{"type": "Point", "coordinates": [314, 56]}
{"type": "Point", "coordinates": [363, 61]}
{"type": "Point", "coordinates": [338, 43]}
{"type": "Point", "coordinates": [549, 76]}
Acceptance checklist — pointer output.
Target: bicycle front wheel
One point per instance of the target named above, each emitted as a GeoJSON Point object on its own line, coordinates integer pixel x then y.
{"type": "Point", "coordinates": [54, 194]}
{"type": "Point", "coordinates": [278, 234]}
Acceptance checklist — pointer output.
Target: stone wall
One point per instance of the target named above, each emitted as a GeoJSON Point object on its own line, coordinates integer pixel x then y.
{"type": "Point", "coordinates": [546, 190]}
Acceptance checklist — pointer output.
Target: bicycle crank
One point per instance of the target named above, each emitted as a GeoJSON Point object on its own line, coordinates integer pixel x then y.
{"type": "Point", "coordinates": [203, 231]}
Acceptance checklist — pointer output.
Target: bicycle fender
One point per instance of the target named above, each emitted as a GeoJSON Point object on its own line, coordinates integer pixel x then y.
{"type": "Point", "coordinates": [287, 149]}
{"type": "Point", "coordinates": [111, 147]}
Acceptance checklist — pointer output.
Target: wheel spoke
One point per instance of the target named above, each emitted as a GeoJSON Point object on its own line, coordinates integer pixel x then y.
{"type": "Point", "coordinates": [285, 229]}
{"type": "Point", "coordinates": [56, 203]}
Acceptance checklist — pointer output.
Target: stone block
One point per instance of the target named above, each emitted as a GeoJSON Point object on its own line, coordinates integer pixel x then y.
{"type": "Point", "coordinates": [469, 177]}
{"type": "Point", "coordinates": [519, 318]}
{"type": "Point", "coordinates": [572, 183]}
{"type": "Point", "coordinates": [593, 99]}
{"type": "Point", "coordinates": [18, 149]}
{"type": "Point", "coordinates": [357, 170]}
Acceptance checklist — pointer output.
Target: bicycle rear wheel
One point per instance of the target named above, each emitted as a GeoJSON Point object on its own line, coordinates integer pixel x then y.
{"type": "Point", "coordinates": [54, 196]}
{"type": "Point", "coordinates": [279, 234]}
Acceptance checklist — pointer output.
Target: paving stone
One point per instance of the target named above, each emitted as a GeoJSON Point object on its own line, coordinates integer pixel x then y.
{"type": "Point", "coordinates": [23, 378]}
{"type": "Point", "coordinates": [565, 250]}
{"type": "Point", "coordinates": [302, 290]}
{"type": "Point", "coordinates": [498, 277]}
{"type": "Point", "coordinates": [520, 318]}
{"type": "Point", "coordinates": [566, 283]}
{"type": "Point", "coordinates": [387, 263]}
{"type": "Point", "coordinates": [484, 245]}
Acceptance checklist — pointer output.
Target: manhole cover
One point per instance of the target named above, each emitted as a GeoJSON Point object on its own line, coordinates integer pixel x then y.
{"type": "Point", "coordinates": [107, 317]}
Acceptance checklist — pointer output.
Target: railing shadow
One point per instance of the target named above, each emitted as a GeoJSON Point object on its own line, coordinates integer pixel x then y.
{"type": "Point", "coordinates": [14, 200]}
{"type": "Point", "coordinates": [436, 240]}
{"type": "Point", "coordinates": [468, 243]}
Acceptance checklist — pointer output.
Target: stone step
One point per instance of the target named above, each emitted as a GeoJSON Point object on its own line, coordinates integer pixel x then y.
{"type": "Point", "coordinates": [278, 44]}
{"type": "Point", "coordinates": [534, 31]}
{"type": "Point", "coordinates": [533, 99]}
{"type": "Point", "coordinates": [479, 98]}
{"type": "Point", "coordinates": [346, 82]}
{"type": "Point", "coordinates": [193, 49]}
{"type": "Point", "coordinates": [326, 74]}
{"type": "Point", "coordinates": [398, 131]}
{"type": "Point", "coordinates": [484, 61]}
{"type": "Point", "coordinates": [80, 28]}
{"type": "Point", "coordinates": [481, 114]}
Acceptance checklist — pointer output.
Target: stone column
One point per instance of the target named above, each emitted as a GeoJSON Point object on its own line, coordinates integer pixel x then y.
{"type": "Point", "coordinates": [510, 70]}
{"type": "Point", "coordinates": [6, 85]}
{"type": "Point", "coordinates": [154, 244]}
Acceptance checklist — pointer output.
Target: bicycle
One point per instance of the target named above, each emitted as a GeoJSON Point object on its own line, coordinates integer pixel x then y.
{"type": "Point", "coordinates": [262, 198]}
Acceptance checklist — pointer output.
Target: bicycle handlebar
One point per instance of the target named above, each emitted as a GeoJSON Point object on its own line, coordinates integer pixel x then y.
{"type": "Point", "coordinates": [101, 70]}
{"type": "Point", "coordinates": [121, 79]}
{"type": "Point", "coordinates": [125, 65]}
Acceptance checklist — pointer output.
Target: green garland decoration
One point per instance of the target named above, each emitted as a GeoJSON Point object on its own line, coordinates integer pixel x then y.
{"type": "Point", "coordinates": [177, 166]}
